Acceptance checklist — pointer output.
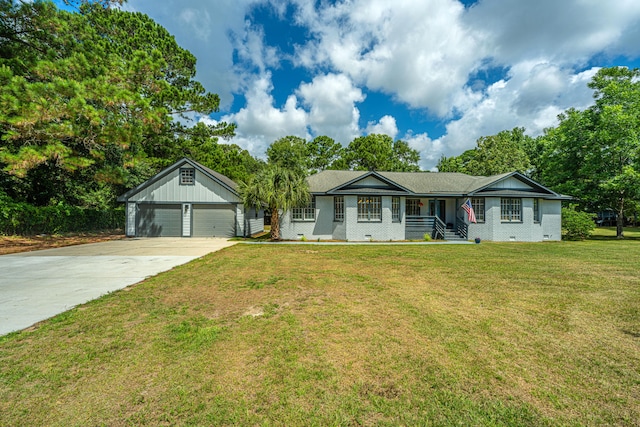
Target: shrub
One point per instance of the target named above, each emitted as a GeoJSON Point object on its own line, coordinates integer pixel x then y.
{"type": "Point", "coordinates": [23, 218]}
{"type": "Point", "coordinates": [427, 237]}
{"type": "Point", "coordinates": [576, 225]}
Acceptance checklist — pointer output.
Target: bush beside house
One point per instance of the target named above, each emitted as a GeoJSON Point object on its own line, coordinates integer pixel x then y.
{"type": "Point", "coordinates": [576, 225]}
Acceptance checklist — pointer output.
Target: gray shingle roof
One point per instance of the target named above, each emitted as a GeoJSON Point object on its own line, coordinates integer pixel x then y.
{"type": "Point", "coordinates": [325, 181]}
{"type": "Point", "coordinates": [420, 183]}
{"type": "Point", "coordinates": [222, 178]}
{"type": "Point", "coordinates": [431, 182]}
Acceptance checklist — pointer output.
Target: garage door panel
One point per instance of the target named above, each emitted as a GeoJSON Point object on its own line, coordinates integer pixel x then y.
{"type": "Point", "coordinates": [214, 221]}
{"type": "Point", "coordinates": [159, 220]}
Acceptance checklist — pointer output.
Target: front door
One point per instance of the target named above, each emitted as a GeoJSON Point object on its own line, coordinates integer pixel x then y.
{"type": "Point", "coordinates": [437, 208]}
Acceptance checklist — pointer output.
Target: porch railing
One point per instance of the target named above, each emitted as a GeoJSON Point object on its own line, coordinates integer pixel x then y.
{"type": "Point", "coordinates": [417, 226]}
{"type": "Point", "coordinates": [462, 229]}
{"type": "Point", "coordinates": [439, 227]}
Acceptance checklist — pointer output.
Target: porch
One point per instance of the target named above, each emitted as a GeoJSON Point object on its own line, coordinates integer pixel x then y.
{"type": "Point", "coordinates": [416, 226]}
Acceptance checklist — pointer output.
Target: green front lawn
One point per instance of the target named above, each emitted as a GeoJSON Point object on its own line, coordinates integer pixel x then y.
{"type": "Point", "coordinates": [490, 334]}
{"type": "Point", "coordinates": [601, 233]}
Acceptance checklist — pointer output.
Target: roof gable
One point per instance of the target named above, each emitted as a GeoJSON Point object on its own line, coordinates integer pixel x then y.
{"type": "Point", "coordinates": [220, 179]}
{"type": "Point", "coordinates": [371, 183]}
{"type": "Point", "coordinates": [513, 183]}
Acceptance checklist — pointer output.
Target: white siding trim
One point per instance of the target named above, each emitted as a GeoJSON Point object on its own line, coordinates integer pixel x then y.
{"type": "Point", "coordinates": [186, 219]}
{"type": "Point", "coordinates": [131, 219]}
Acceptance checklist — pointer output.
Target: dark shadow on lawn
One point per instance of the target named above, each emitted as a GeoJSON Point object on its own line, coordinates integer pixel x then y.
{"type": "Point", "coordinates": [613, 238]}
{"type": "Point", "coordinates": [633, 334]}
{"type": "Point", "coordinates": [609, 233]}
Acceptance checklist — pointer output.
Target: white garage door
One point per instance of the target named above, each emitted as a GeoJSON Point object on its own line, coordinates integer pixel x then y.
{"type": "Point", "coordinates": [214, 221]}
{"type": "Point", "coordinates": [159, 220]}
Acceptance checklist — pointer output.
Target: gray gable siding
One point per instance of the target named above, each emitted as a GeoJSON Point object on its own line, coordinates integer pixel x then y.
{"type": "Point", "coordinates": [512, 183]}
{"type": "Point", "coordinates": [168, 189]}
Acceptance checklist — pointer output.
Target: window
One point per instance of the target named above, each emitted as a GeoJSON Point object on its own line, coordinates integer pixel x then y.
{"type": "Point", "coordinates": [306, 213]}
{"type": "Point", "coordinates": [510, 210]}
{"type": "Point", "coordinates": [536, 210]}
{"type": "Point", "coordinates": [187, 176]}
{"type": "Point", "coordinates": [478, 208]}
{"type": "Point", "coordinates": [369, 208]}
{"type": "Point", "coordinates": [395, 209]}
{"type": "Point", "coordinates": [413, 207]}
{"type": "Point", "coordinates": [338, 208]}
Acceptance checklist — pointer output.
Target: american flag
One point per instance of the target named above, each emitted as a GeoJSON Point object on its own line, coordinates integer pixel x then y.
{"type": "Point", "coordinates": [471, 215]}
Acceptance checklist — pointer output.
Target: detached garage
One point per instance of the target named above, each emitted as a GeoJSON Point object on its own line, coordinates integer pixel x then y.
{"type": "Point", "coordinates": [188, 199]}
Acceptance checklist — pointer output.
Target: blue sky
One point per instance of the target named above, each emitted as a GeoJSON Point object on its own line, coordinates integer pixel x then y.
{"type": "Point", "coordinates": [436, 73]}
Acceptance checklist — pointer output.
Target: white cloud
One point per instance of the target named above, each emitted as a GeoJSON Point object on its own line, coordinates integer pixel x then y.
{"type": "Point", "coordinates": [418, 51]}
{"type": "Point", "coordinates": [260, 122]}
{"type": "Point", "coordinates": [430, 150]}
{"type": "Point", "coordinates": [564, 32]}
{"type": "Point", "coordinates": [252, 49]}
{"type": "Point", "coordinates": [198, 20]}
{"type": "Point", "coordinates": [386, 125]}
{"type": "Point", "coordinates": [532, 97]}
{"type": "Point", "coordinates": [332, 102]}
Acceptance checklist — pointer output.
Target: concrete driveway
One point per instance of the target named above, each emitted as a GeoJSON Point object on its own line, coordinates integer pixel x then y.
{"type": "Point", "coordinates": [37, 285]}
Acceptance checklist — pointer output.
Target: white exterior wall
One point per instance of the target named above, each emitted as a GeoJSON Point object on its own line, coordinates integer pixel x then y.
{"type": "Point", "coordinates": [549, 228]}
{"type": "Point", "coordinates": [325, 228]}
{"type": "Point", "coordinates": [322, 228]}
{"type": "Point", "coordinates": [551, 220]}
{"type": "Point", "coordinates": [169, 190]}
{"type": "Point", "coordinates": [374, 230]}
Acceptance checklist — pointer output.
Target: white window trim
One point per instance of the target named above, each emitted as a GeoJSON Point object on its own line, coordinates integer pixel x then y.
{"type": "Point", "coordinates": [410, 208]}
{"type": "Point", "coordinates": [371, 207]}
{"type": "Point", "coordinates": [396, 214]}
{"type": "Point", "coordinates": [478, 204]}
{"type": "Point", "coordinates": [509, 218]}
{"type": "Point", "coordinates": [537, 213]}
{"type": "Point", "coordinates": [338, 208]}
{"type": "Point", "coordinates": [187, 179]}
{"type": "Point", "coordinates": [306, 213]}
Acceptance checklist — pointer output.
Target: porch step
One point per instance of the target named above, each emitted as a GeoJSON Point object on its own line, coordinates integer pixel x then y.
{"type": "Point", "coordinates": [451, 235]}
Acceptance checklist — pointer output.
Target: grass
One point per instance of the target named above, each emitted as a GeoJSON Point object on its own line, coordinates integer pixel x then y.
{"type": "Point", "coordinates": [604, 233]}
{"type": "Point", "coordinates": [489, 334]}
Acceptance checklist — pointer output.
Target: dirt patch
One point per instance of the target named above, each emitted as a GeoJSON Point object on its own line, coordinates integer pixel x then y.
{"type": "Point", "coordinates": [16, 244]}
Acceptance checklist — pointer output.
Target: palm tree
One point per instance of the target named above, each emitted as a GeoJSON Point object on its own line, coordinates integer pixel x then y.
{"type": "Point", "coordinates": [277, 188]}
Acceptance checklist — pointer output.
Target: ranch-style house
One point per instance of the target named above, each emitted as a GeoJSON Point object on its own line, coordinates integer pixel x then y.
{"type": "Point", "coordinates": [390, 206]}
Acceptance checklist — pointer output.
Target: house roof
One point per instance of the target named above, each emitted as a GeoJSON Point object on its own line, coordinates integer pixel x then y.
{"type": "Point", "coordinates": [223, 180]}
{"type": "Point", "coordinates": [451, 184]}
